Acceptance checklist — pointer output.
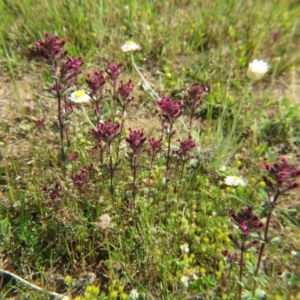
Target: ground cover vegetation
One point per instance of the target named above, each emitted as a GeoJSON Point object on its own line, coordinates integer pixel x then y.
{"type": "Point", "coordinates": [149, 150]}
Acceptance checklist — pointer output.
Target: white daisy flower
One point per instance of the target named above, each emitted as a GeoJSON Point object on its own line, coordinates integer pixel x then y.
{"type": "Point", "coordinates": [235, 181]}
{"type": "Point", "coordinates": [134, 294]}
{"type": "Point", "coordinates": [80, 96]}
{"type": "Point", "coordinates": [185, 248]}
{"type": "Point", "coordinates": [257, 69]}
{"type": "Point", "coordinates": [294, 253]}
{"type": "Point", "coordinates": [185, 281]}
{"type": "Point", "coordinates": [130, 46]}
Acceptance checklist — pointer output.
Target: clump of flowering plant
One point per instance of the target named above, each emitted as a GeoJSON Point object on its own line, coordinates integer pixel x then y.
{"type": "Point", "coordinates": [114, 71]}
{"type": "Point", "coordinates": [80, 179]}
{"type": "Point", "coordinates": [105, 135]}
{"type": "Point", "coordinates": [171, 111]}
{"type": "Point", "coordinates": [53, 193]}
{"type": "Point", "coordinates": [184, 152]}
{"type": "Point", "coordinates": [135, 142]}
{"type": "Point", "coordinates": [280, 178]}
{"type": "Point", "coordinates": [246, 223]}
{"type": "Point", "coordinates": [155, 148]}
{"type": "Point", "coordinates": [123, 99]}
{"type": "Point", "coordinates": [65, 71]}
{"type": "Point", "coordinates": [195, 100]}
{"type": "Point", "coordinates": [96, 82]}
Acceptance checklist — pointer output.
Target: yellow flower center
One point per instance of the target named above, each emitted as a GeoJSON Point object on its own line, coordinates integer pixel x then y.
{"type": "Point", "coordinates": [129, 43]}
{"type": "Point", "coordinates": [79, 94]}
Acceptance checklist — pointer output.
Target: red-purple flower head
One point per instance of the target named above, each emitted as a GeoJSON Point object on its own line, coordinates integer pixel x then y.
{"type": "Point", "coordinates": [71, 68]}
{"type": "Point", "coordinates": [107, 132]}
{"type": "Point", "coordinates": [96, 81]}
{"type": "Point", "coordinates": [195, 92]}
{"type": "Point", "coordinates": [155, 146]}
{"type": "Point", "coordinates": [52, 47]}
{"type": "Point", "coordinates": [185, 147]}
{"type": "Point", "coordinates": [136, 140]}
{"type": "Point", "coordinates": [246, 221]}
{"type": "Point", "coordinates": [40, 123]}
{"type": "Point", "coordinates": [53, 193]}
{"type": "Point", "coordinates": [282, 176]}
{"type": "Point", "coordinates": [73, 156]}
{"type": "Point", "coordinates": [125, 90]}
{"type": "Point", "coordinates": [114, 70]}
{"type": "Point", "coordinates": [232, 258]}
{"type": "Point", "coordinates": [171, 110]}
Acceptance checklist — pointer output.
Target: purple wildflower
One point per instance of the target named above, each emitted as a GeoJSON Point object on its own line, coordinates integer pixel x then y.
{"type": "Point", "coordinates": [185, 147]}
{"type": "Point", "coordinates": [52, 47]}
{"type": "Point", "coordinates": [171, 110]}
{"type": "Point", "coordinates": [246, 221]}
{"type": "Point", "coordinates": [96, 82]}
{"type": "Point", "coordinates": [107, 133]}
{"type": "Point", "coordinates": [282, 176]}
{"type": "Point", "coordinates": [136, 140]}
{"type": "Point", "coordinates": [114, 70]}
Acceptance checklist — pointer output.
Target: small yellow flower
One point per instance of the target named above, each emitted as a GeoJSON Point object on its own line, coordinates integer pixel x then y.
{"type": "Point", "coordinates": [123, 296]}
{"type": "Point", "coordinates": [92, 291]}
{"type": "Point", "coordinates": [121, 288]}
{"type": "Point", "coordinates": [113, 295]}
{"type": "Point", "coordinates": [80, 97]}
{"type": "Point", "coordinates": [130, 46]}
{"type": "Point", "coordinates": [205, 240]}
{"type": "Point", "coordinates": [79, 248]}
{"type": "Point", "coordinates": [218, 274]}
{"type": "Point", "coordinates": [238, 163]}
{"type": "Point", "coordinates": [68, 279]}
{"type": "Point", "coordinates": [262, 184]}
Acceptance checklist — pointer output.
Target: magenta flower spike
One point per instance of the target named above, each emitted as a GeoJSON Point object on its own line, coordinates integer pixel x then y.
{"type": "Point", "coordinates": [282, 176]}
{"type": "Point", "coordinates": [136, 140]}
{"type": "Point", "coordinates": [114, 70]}
{"type": "Point", "coordinates": [125, 90]}
{"type": "Point", "coordinates": [96, 82]}
{"type": "Point", "coordinates": [107, 132]}
{"type": "Point", "coordinates": [246, 221]}
{"type": "Point", "coordinates": [171, 110]}
{"type": "Point", "coordinates": [185, 147]}
{"type": "Point", "coordinates": [52, 47]}
{"type": "Point", "coordinates": [195, 92]}
{"type": "Point", "coordinates": [155, 145]}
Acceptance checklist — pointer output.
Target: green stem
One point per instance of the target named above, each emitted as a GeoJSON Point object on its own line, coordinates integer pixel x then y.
{"type": "Point", "coordinates": [148, 86]}
{"type": "Point", "coordinates": [87, 117]}
{"type": "Point", "coordinates": [241, 271]}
